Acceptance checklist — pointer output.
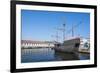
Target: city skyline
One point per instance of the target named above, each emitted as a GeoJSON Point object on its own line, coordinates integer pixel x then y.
{"type": "Point", "coordinates": [42, 25]}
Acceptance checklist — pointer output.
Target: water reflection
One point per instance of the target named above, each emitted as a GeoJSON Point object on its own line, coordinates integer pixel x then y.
{"type": "Point", "coordinates": [48, 54]}
{"type": "Point", "coordinates": [66, 56]}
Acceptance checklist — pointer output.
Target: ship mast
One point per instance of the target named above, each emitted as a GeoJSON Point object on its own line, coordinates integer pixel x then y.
{"type": "Point", "coordinates": [72, 30]}
{"type": "Point", "coordinates": [64, 31]}
{"type": "Point", "coordinates": [56, 35]}
{"type": "Point", "coordinates": [74, 26]}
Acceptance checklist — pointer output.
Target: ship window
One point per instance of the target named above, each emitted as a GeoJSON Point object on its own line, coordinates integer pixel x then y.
{"type": "Point", "coordinates": [57, 45]}
{"type": "Point", "coordinates": [77, 45]}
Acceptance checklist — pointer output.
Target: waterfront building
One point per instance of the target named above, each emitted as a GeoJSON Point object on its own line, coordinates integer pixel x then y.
{"type": "Point", "coordinates": [38, 44]}
{"type": "Point", "coordinates": [84, 45]}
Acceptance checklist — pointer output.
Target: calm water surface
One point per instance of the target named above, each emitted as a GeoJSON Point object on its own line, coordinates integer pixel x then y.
{"type": "Point", "coordinates": [49, 54]}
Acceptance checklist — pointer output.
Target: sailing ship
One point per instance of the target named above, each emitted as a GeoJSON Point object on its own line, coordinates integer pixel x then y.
{"type": "Point", "coordinates": [70, 45]}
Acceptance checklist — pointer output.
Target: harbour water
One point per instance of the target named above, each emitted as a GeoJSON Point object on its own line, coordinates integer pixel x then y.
{"type": "Point", "coordinates": [48, 54]}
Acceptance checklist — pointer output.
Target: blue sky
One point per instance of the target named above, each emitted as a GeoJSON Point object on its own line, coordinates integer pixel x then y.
{"type": "Point", "coordinates": [42, 25]}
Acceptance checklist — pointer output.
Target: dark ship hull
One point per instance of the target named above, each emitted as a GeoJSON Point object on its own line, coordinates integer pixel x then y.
{"type": "Point", "coordinates": [71, 46]}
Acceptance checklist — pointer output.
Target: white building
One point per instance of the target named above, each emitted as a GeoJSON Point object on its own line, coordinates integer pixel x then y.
{"type": "Point", "coordinates": [84, 44]}
{"type": "Point", "coordinates": [32, 44]}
